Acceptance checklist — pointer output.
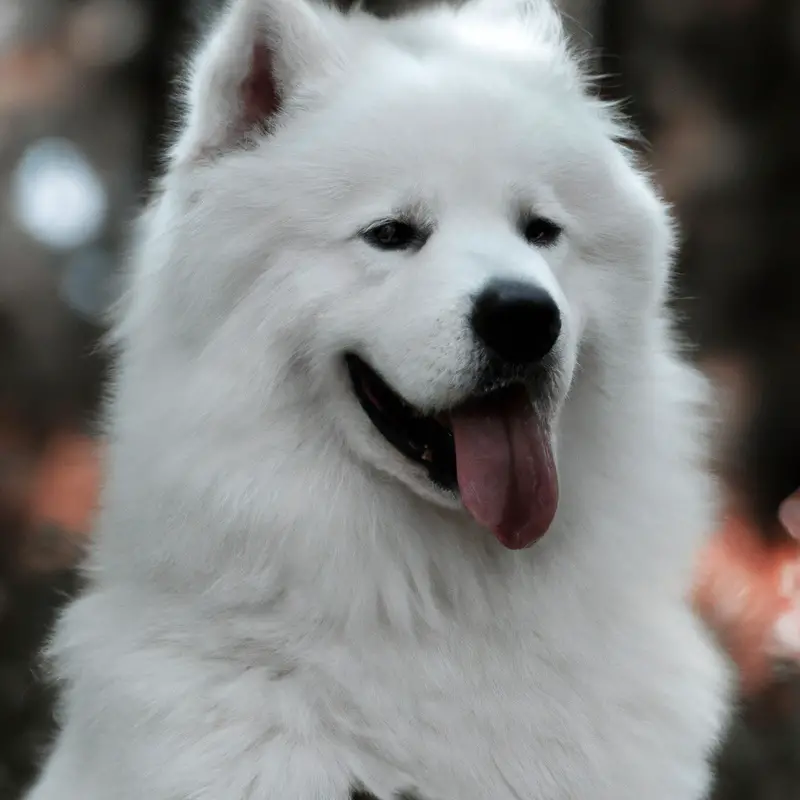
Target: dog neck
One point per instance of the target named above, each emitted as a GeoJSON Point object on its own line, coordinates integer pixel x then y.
{"type": "Point", "coordinates": [292, 522]}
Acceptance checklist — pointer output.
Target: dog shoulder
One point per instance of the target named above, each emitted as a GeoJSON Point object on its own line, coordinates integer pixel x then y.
{"type": "Point", "coordinates": [153, 715]}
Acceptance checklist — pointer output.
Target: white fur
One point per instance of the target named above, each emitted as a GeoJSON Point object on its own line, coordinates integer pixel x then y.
{"type": "Point", "coordinates": [280, 606]}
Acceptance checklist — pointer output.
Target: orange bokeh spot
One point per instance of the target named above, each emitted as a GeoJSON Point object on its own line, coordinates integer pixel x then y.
{"type": "Point", "coordinates": [748, 591]}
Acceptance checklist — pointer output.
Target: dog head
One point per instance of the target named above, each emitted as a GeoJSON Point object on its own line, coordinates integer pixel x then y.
{"type": "Point", "coordinates": [416, 223]}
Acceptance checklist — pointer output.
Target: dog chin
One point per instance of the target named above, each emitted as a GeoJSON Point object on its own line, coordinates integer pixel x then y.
{"type": "Point", "coordinates": [416, 479]}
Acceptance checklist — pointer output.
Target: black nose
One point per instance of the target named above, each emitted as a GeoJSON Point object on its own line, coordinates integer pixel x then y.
{"type": "Point", "coordinates": [519, 322]}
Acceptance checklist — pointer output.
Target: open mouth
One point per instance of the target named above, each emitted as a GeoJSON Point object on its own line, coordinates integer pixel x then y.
{"type": "Point", "coordinates": [494, 450]}
{"type": "Point", "coordinates": [425, 440]}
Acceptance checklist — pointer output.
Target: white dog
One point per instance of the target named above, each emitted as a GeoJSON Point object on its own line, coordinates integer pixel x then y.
{"type": "Point", "coordinates": [396, 315]}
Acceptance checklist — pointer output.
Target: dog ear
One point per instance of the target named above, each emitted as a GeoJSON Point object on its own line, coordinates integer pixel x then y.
{"type": "Point", "coordinates": [257, 56]}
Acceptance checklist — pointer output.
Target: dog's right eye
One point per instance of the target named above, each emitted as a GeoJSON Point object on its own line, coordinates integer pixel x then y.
{"type": "Point", "coordinates": [393, 234]}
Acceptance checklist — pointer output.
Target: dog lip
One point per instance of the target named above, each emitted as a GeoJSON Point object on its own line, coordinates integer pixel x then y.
{"type": "Point", "coordinates": [424, 439]}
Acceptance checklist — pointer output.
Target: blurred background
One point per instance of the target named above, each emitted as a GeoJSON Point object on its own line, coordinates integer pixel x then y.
{"type": "Point", "coordinates": [84, 114]}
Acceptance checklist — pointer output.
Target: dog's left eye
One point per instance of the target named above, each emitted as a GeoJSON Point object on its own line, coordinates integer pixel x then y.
{"type": "Point", "coordinates": [541, 232]}
{"type": "Point", "coordinates": [393, 234]}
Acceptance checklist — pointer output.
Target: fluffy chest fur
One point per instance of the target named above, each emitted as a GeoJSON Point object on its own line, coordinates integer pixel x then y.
{"type": "Point", "coordinates": [610, 700]}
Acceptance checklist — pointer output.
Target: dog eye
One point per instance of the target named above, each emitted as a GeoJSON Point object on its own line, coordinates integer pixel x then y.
{"type": "Point", "coordinates": [541, 232]}
{"type": "Point", "coordinates": [393, 234]}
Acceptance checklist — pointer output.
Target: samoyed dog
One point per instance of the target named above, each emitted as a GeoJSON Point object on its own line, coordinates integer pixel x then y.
{"type": "Point", "coordinates": [405, 478]}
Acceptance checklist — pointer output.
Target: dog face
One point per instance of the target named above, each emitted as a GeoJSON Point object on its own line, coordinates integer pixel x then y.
{"type": "Point", "coordinates": [420, 222]}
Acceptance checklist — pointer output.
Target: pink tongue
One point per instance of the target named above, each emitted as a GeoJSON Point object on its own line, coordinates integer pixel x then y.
{"type": "Point", "coordinates": [505, 468]}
